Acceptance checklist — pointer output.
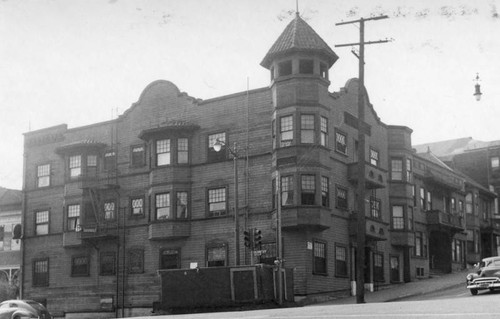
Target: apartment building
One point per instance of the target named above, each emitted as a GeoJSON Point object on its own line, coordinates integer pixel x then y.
{"type": "Point", "coordinates": [109, 204]}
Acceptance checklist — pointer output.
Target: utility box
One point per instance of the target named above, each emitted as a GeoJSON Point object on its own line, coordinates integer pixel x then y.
{"type": "Point", "coordinates": [222, 287]}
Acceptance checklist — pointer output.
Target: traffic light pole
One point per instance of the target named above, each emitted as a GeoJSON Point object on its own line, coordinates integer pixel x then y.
{"type": "Point", "coordinates": [361, 191]}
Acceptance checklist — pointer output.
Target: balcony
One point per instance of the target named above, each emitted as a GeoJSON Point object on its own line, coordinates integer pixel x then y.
{"type": "Point", "coordinates": [171, 229]}
{"type": "Point", "coordinates": [299, 218]}
{"type": "Point", "coordinates": [402, 238]}
{"type": "Point", "coordinates": [72, 239]}
{"type": "Point", "coordinates": [443, 180]}
{"type": "Point", "coordinates": [439, 220]}
{"type": "Point", "coordinates": [375, 230]}
{"type": "Point", "coordinates": [104, 231]}
{"type": "Point", "coordinates": [374, 176]}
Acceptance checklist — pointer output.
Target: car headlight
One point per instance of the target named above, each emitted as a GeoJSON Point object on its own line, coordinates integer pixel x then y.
{"type": "Point", "coordinates": [470, 277]}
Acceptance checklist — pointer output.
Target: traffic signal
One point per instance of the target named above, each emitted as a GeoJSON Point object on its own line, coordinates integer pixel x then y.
{"type": "Point", "coordinates": [248, 238]}
{"type": "Point", "coordinates": [257, 237]}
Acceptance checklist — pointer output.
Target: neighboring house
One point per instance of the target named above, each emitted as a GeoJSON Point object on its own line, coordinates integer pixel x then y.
{"type": "Point", "coordinates": [480, 162]}
{"type": "Point", "coordinates": [10, 254]}
{"type": "Point", "coordinates": [109, 204]}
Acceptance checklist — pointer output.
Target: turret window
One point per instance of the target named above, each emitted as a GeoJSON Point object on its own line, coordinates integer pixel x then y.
{"type": "Point", "coordinates": [286, 131]}
{"type": "Point", "coordinates": [307, 129]}
{"type": "Point", "coordinates": [163, 152]}
{"type": "Point", "coordinates": [306, 66]}
{"type": "Point", "coordinates": [323, 70]}
{"type": "Point", "coordinates": [182, 151]}
{"type": "Point", "coordinates": [285, 68]}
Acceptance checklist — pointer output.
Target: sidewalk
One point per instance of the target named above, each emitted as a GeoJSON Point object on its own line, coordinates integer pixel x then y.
{"type": "Point", "coordinates": [414, 288]}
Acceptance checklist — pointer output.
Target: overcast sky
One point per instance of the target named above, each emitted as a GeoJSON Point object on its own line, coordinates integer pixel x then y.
{"type": "Point", "coordinates": [85, 61]}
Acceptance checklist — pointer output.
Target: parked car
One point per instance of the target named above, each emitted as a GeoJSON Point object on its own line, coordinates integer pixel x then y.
{"type": "Point", "coordinates": [17, 309]}
{"type": "Point", "coordinates": [487, 275]}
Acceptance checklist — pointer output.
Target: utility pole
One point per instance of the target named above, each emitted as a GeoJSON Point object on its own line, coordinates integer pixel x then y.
{"type": "Point", "coordinates": [361, 221]}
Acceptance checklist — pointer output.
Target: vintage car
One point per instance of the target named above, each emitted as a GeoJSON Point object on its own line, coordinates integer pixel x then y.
{"type": "Point", "coordinates": [487, 275]}
{"type": "Point", "coordinates": [17, 309]}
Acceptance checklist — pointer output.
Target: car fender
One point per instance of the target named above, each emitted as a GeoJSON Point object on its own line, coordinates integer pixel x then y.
{"type": "Point", "coordinates": [22, 315]}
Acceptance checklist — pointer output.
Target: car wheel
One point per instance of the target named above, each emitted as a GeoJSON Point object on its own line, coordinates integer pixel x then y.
{"type": "Point", "coordinates": [473, 292]}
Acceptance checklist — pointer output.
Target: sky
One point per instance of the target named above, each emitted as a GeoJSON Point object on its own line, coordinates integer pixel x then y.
{"type": "Point", "coordinates": [80, 62]}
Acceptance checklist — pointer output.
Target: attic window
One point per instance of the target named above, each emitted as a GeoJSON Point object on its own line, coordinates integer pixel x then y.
{"type": "Point", "coordinates": [323, 70]}
{"type": "Point", "coordinates": [306, 67]}
{"type": "Point", "coordinates": [285, 68]}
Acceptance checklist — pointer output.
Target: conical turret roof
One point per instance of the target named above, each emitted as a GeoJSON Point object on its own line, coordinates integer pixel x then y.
{"type": "Point", "coordinates": [299, 36]}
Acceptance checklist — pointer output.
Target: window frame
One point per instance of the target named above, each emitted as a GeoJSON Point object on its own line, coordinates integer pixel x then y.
{"type": "Point", "coordinates": [288, 189]}
{"type": "Point", "coordinates": [223, 247]}
{"type": "Point", "coordinates": [306, 66]}
{"type": "Point", "coordinates": [167, 206]}
{"type": "Point", "coordinates": [343, 203]}
{"type": "Point", "coordinates": [102, 266]}
{"type": "Point", "coordinates": [307, 128]}
{"type": "Point", "coordinates": [285, 68]}
{"type": "Point", "coordinates": [184, 150]}
{"type": "Point", "coordinates": [109, 160]}
{"type": "Point", "coordinates": [163, 151]}
{"type": "Point", "coordinates": [40, 176]}
{"type": "Point", "coordinates": [40, 279]}
{"type": "Point", "coordinates": [131, 254]}
{"type": "Point", "coordinates": [374, 156]}
{"type": "Point", "coordinates": [212, 155]}
{"type": "Point", "coordinates": [325, 191]}
{"type": "Point", "coordinates": [323, 128]}
{"type": "Point", "coordinates": [42, 223]}
{"type": "Point", "coordinates": [319, 263]}
{"type": "Point", "coordinates": [69, 218]}
{"type": "Point", "coordinates": [75, 166]}
{"type": "Point", "coordinates": [308, 189]}
{"type": "Point", "coordinates": [137, 215]}
{"type": "Point", "coordinates": [166, 252]}
{"type": "Point", "coordinates": [341, 147]}
{"type": "Point", "coordinates": [83, 273]}
{"type": "Point", "coordinates": [186, 208]}
{"type": "Point", "coordinates": [398, 222]}
{"type": "Point", "coordinates": [495, 163]}
{"type": "Point", "coordinates": [375, 207]}
{"type": "Point", "coordinates": [396, 170]}
{"type": "Point", "coordinates": [340, 264]}
{"type": "Point", "coordinates": [217, 213]}
{"type": "Point", "coordinates": [286, 129]}
{"type": "Point", "coordinates": [138, 160]}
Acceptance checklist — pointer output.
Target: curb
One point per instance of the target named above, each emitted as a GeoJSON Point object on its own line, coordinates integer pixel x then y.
{"type": "Point", "coordinates": [400, 298]}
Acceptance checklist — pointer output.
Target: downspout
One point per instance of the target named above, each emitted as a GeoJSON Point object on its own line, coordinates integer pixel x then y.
{"type": "Point", "coordinates": [23, 220]}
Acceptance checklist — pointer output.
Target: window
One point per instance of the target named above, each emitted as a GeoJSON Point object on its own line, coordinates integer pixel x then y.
{"type": "Point", "coordinates": [109, 211]}
{"type": "Point", "coordinates": [495, 162]}
{"type": "Point", "coordinates": [110, 161]}
{"type": "Point", "coordinates": [410, 218]}
{"type": "Point", "coordinates": [135, 261]}
{"type": "Point", "coordinates": [42, 222]}
{"type": "Point", "coordinates": [221, 155]}
{"type": "Point", "coordinates": [418, 244]}
{"type": "Point", "coordinates": [137, 205]}
{"type": "Point", "coordinates": [138, 156]}
{"type": "Point", "coordinates": [378, 267]}
{"type": "Point", "coordinates": [170, 259]}
{"type": "Point", "coordinates": [324, 131]}
{"type": "Point", "coordinates": [273, 132]}
{"type": "Point", "coordinates": [306, 66]}
{"type": "Point", "coordinates": [286, 131]}
{"type": "Point", "coordinates": [182, 202]}
{"type": "Point", "coordinates": [422, 199]}
{"type": "Point", "coordinates": [162, 206]}
{"type": "Point", "coordinates": [217, 202]}
{"type": "Point", "coordinates": [162, 152]}
{"type": "Point", "coordinates": [286, 190]}
{"type": "Point", "coordinates": [325, 192]}
{"type": "Point", "coordinates": [307, 129]}
{"type": "Point", "coordinates": [323, 70]}
{"type": "Point", "coordinates": [341, 142]}
{"type": "Point", "coordinates": [429, 200]}
{"type": "Point", "coordinates": [476, 204]}
{"type": "Point", "coordinates": [108, 264]}
{"type": "Point", "coordinates": [397, 217]}
{"type": "Point", "coordinates": [461, 208]}
{"type": "Point", "coordinates": [453, 204]}
{"type": "Point", "coordinates": [91, 165]}
{"type": "Point", "coordinates": [308, 187]}
{"type": "Point", "coordinates": [285, 68]}
{"type": "Point", "coordinates": [43, 175]}
{"type": "Point", "coordinates": [374, 157]}
{"type": "Point", "coordinates": [396, 169]}
{"type": "Point", "coordinates": [375, 207]}
{"type": "Point", "coordinates": [414, 194]}
{"type": "Point", "coordinates": [456, 250]}
{"type": "Point", "coordinates": [41, 273]}
{"type": "Point", "coordinates": [216, 256]}
{"type": "Point", "coordinates": [182, 151]}
{"type": "Point", "coordinates": [73, 217]}
{"type": "Point", "coordinates": [341, 198]}
{"type": "Point", "coordinates": [340, 261]}
{"type": "Point", "coordinates": [409, 175]}
{"type": "Point", "coordinates": [75, 166]}
{"type": "Point", "coordinates": [319, 258]}
{"type": "Point", "coordinates": [80, 266]}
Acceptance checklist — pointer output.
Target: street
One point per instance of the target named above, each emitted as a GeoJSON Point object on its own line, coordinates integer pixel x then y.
{"type": "Point", "coordinates": [452, 303]}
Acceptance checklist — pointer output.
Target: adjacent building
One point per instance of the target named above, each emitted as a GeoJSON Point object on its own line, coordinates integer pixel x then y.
{"type": "Point", "coordinates": [109, 204]}
{"type": "Point", "coordinates": [10, 254]}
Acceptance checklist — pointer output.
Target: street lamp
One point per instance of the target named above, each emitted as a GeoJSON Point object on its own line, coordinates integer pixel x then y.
{"type": "Point", "coordinates": [477, 94]}
{"type": "Point", "coordinates": [234, 151]}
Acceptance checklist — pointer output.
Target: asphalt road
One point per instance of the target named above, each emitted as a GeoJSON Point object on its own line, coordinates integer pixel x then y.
{"type": "Point", "coordinates": [455, 303]}
{"type": "Point", "coordinates": [456, 292]}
